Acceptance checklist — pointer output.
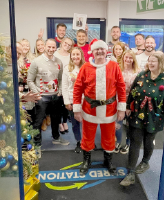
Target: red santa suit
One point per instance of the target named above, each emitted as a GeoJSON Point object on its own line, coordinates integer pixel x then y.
{"type": "Point", "coordinates": [99, 82]}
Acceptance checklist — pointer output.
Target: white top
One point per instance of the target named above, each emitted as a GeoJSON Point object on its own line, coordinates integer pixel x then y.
{"type": "Point", "coordinates": [134, 49]}
{"type": "Point", "coordinates": [64, 59]}
{"type": "Point", "coordinates": [142, 60]}
{"type": "Point", "coordinates": [68, 80]}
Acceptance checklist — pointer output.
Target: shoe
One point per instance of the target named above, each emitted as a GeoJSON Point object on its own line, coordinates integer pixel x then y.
{"type": "Point", "coordinates": [48, 120]}
{"type": "Point", "coordinates": [44, 125]}
{"type": "Point", "coordinates": [108, 163]}
{"type": "Point", "coordinates": [142, 167]}
{"type": "Point", "coordinates": [128, 180]}
{"type": "Point", "coordinates": [118, 147]}
{"type": "Point", "coordinates": [125, 149]}
{"type": "Point", "coordinates": [78, 148]}
{"type": "Point", "coordinates": [86, 163]}
{"type": "Point", "coordinates": [61, 129]}
{"type": "Point", "coordinates": [65, 125]}
{"type": "Point", "coordinates": [61, 141]}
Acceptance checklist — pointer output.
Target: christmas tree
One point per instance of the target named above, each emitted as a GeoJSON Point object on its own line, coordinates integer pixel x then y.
{"type": "Point", "coordinates": [8, 144]}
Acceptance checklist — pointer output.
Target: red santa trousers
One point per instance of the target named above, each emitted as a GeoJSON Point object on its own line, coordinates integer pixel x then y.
{"type": "Point", "coordinates": [89, 133]}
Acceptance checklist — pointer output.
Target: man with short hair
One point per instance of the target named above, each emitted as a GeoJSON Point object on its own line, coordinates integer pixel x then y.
{"type": "Point", "coordinates": [81, 37]}
{"type": "Point", "coordinates": [45, 76]}
{"type": "Point", "coordinates": [116, 34]}
{"type": "Point", "coordinates": [149, 49]}
{"type": "Point", "coordinates": [99, 80]}
{"type": "Point", "coordinates": [140, 44]}
{"type": "Point", "coordinates": [60, 31]}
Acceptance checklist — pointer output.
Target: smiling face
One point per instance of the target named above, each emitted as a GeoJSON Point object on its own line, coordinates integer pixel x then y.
{"type": "Point", "coordinates": [153, 64]}
{"type": "Point", "coordinates": [99, 55]}
{"type": "Point", "coordinates": [76, 56]}
{"type": "Point", "coordinates": [150, 45]}
{"type": "Point", "coordinates": [128, 60]}
{"type": "Point", "coordinates": [26, 47]}
{"type": "Point", "coordinates": [115, 33]}
{"type": "Point", "coordinates": [66, 44]}
{"type": "Point", "coordinates": [19, 50]}
{"type": "Point", "coordinates": [40, 46]}
{"type": "Point", "coordinates": [81, 39]}
{"type": "Point", "coordinates": [118, 51]}
{"type": "Point", "coordinates": [50, 48]}
{"type": "Point", "coordinates": [61, 31]}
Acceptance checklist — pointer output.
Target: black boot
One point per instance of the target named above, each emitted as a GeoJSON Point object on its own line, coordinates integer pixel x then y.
{"type": "Point", "coordinates": [108, 163]}
{"type": "Point", "coordinates": [86, 162]}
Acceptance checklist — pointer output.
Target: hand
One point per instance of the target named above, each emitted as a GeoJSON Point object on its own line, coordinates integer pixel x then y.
{"type": "Point", "coordinates": [69, 107]}
{"type": "Point", "coordinates": [40, 35]}
{"type": "Point", "coordinates": [128, 112]}
{"type": "Point", "coordinates": [86, 28]}
{"type": "Point", "coordinates": [120, 115]}
{"type": "Point", "coordinates": [78, 116]}
{"type": "Point", "coordinates": [34, 97]}
{"type": "Point", "coordinates": [20, 88]}
{"type": "Point", "coordinates": [58, 94]}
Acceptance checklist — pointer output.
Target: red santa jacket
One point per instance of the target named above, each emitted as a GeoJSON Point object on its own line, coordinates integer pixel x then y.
{"type": "Point", "coordinates": [99, 82]}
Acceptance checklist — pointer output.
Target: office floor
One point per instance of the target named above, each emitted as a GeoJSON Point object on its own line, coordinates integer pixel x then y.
{"type": "Point", "coordinates": [149, 180]}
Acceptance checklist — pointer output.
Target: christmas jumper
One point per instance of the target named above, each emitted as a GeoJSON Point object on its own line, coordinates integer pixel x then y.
{"type": "Point", "coordinates": [65, 59]}
{"type": "Point", "coordinates": [142, 60]}
{"type": "Point", "coordinates": [146, 102]}
{"type": "Point", "coordinates": [68, 80]}
{"type": "Point", "coordinates": [45, 75]}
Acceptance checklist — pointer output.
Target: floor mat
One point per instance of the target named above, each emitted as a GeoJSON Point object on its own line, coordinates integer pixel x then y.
{"type": "Point", "coordinates": [59, 176]}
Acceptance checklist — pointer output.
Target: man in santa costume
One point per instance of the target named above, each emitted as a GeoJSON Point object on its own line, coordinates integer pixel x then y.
{"type": "Point", "coordinates": [100, 80]}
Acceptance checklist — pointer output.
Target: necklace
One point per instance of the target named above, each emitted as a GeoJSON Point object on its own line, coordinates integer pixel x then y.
{"type": "Point", "coordinates": [154, 76]}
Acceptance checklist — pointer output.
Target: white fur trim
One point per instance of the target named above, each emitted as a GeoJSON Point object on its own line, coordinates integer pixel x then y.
{"type": "Point", "coordinates": [101, 65]}
{"type": "Point", "coordinates": [101, 90]}
{"type": "Point", "coordinates": [99, 44]}
{"type": "Point", "coordinates": [109, 151]}
{"type": "Point", "coordinates": [89, 52]}
{"type": "Point", "coordinates": [99, 120]}
{"type": "Point", "coordinates": [121, 106]}
{"type": "Point", "coordinates": [77, 108]}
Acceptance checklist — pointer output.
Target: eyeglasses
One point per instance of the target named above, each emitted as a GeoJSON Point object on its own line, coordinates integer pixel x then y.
{"type": "Point", "coordinates": [67, 44]}
{"type": "Point", "coordinates": [152, 61]}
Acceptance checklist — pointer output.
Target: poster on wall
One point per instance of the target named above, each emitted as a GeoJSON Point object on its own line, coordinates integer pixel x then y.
{"type": "Point", "coordinates": [79, 21]}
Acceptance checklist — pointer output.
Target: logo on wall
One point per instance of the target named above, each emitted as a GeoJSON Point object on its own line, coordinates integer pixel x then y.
{"type": "Point", "coordinates": [67, 174]}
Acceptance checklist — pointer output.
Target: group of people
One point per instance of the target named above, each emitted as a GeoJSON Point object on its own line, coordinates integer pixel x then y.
{"type": "Point", "coordinates": [96, 83]}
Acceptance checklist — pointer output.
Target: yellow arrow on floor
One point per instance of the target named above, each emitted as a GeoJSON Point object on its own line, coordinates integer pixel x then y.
{"type": "Point", "coordinates": [70, 166]}
{"type": "Point", "coordinates": [75, 185]}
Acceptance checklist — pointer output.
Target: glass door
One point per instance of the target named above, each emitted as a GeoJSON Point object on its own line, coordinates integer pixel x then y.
{"type": "Point", "coordinates": [130, 27]}
{"type": "Point", "coordinates": [96, 27]}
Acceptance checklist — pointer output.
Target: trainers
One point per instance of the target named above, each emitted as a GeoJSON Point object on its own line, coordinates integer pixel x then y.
{"type": "Point", "coordinates": [142, 167]}
{"type": "Point", "coordinates": [61, 141]}
{"type": "Point", "coordinates": [78, 148]}
{"type": "Point", "coordinates": [118, 147]}
{"type": "Point", "coordinates": [125, 149]}
{"type": "Point", "coordinates": [128, 180]}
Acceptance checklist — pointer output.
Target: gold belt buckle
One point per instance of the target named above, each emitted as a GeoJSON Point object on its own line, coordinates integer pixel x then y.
{"type": "Point", "coordinates": [102, 102]}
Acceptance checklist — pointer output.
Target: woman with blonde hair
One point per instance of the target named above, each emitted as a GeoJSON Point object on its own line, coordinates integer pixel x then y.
{"type": "Point", "coordinates": [145, 109]}
{"type": "Point", "coordinates": [63, 53]}
{"type": "Point", "coordinates": [130, 69]}
{"type": "Point", "coordinates": [118, 50]}
{"type": "Point", "coordinates": [68, 79]}
{"type": "Point", "coordinates": [39, 47]}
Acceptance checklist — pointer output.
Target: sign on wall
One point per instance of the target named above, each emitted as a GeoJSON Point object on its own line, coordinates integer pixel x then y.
{"type": "Point", "coordinates": [148, 5]}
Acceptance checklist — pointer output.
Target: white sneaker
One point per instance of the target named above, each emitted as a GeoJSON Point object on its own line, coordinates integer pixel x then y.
{"type": "Point", "coordinates": [61, 141]}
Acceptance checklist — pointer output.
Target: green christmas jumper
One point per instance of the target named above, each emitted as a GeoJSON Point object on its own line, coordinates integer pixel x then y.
{"type": "Point", "coordinates": [146, 102]}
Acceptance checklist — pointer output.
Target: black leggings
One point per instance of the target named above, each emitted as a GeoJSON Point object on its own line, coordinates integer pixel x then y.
{"type": "Point", "coordinates": [136, 137]}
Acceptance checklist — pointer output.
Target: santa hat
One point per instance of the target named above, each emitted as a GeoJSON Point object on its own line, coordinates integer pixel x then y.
{"type": "Point", "coordinates": [95, 44]}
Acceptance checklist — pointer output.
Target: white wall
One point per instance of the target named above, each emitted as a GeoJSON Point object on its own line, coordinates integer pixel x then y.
{"type": "Point", "coordinates": [31, 14]}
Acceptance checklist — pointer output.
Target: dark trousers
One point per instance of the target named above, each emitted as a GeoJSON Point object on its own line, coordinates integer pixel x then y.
{"type": "Point", "coordinates": [64, 111]}
{"type": "Point", "coordinates": [75, 126]}
{"type": "Point", "coordinates": [40, 109]}
{"type": "Point", "coordinates": [136, 137]}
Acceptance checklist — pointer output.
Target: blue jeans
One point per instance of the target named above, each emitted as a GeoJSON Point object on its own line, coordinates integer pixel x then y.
{"type": "Point", "coordinates": [119, 133]}
{"type": "Point", "coordinates": [75, 126]}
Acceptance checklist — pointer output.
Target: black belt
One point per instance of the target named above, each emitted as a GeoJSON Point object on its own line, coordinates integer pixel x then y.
{"type": "Point", "coordinates": [95, 103]}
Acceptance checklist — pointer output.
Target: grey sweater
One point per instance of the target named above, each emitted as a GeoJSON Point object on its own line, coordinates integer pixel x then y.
{"type": "Point", "coordinates": [45, 75]}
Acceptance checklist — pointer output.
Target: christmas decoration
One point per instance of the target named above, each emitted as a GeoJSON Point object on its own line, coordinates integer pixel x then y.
{"type": "Point", "coordinates": [161, 87]}
{"type": "Point", "coordinates": [1, 69]}
{"type": "Point", "coordinates": [6, 167]}
{"type": "Point", "coordinates": [28, 137]}
{"type": "Point", "coordinates": [2, 128]}
{"type": "Point", "coordinates": [3, 85]}
{"type": "Point", "coordinates": [3, 163]}
{"type": "Point", "coordinates": [29, 146]}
